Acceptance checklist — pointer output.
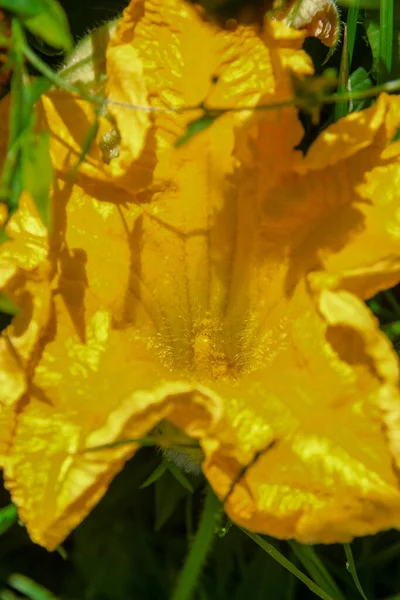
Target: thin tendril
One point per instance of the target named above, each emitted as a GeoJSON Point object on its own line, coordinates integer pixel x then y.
{"type": "Point", "coordinates": [389, 87]}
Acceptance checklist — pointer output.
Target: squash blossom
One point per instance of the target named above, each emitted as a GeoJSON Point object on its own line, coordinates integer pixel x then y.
{"type": "Point", "coordinates": [216, 286]}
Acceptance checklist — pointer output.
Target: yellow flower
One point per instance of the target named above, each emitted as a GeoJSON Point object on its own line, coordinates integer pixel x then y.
{"type": "Point", "coordinates": [217, 285]}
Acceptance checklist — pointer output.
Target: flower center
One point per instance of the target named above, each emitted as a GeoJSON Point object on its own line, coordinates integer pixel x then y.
{"type": "Point", "coordinates": [208, 359]}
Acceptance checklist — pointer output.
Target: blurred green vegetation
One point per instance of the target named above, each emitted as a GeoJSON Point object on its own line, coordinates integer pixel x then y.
{"type": "Point", "coordinates": [134, 543]}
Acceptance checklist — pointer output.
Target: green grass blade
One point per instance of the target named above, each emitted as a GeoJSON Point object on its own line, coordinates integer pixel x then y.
{"type": "Point", "coordinates": [363, 3]}
{"type": "Point", "coordinates": [8, 595]}
{"type": "Point", "coordinates": [382, 557]}
{"type": "Point", "coordinates": [386, 32]}
{"type": "Point", "coordinates": [314, 565]}
{"type": "Point", "coordinates": [391, 298]}
{"type": "Point", "coordinates": [291, 588]}
{"type": "Point", "coordinates": [8, 516]}
{"type": "Point", "coordinates": [189, 517]}
{"type": "Point", "coordinates": [201, 546]}
{"type": "Point", "coordinates": [351, 567]}
{"type": "Point", "coordinates": [12, 173]}
{"type": "Point", "coordinates": [341, 109]}
{"type": "Point", "coordinates": [352, 21]}
{"type": "Point", "coordinates": [392, 330]}
{"type": "Point", "coordinates": [30, 588]}
{"type": "Point", "coordinates": [274, 553]}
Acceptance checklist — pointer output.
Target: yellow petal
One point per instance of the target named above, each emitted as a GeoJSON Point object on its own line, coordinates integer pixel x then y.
{"type": "Point", "coordinates": [323, 400]}
{"type": "Point", "coordinates": [3, 214]}
{"type": "Point", "coordinates": [28, 244]}
{"type": "Point", "coordinates": [12, 387]}
{"type": "Point", "coordinates": [84, 395]}
{"type": "Point", "coordinates": [23, 258]}
{"type": "Point", "coordinates": [139, 279]}
{"type": "Point", "coordinates": [338, 215]}
{"type": "Point", "coordinates": [157, 45]}
{"type": "Point", "coordinates": [69, 120]}
{"type": "Point", "coordinates": [178, 290]}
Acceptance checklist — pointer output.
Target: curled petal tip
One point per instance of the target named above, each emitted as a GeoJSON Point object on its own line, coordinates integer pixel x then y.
{"type": "Point", "coordinates": [320, 18]}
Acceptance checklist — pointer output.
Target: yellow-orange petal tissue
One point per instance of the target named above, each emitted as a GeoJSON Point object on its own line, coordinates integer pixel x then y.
{"type": "Point", "coordinates": [338, 212]}
{"type": "Point", "coordinates": [216, 285]}
{"type": "Point", "coordinates": [323, 402]}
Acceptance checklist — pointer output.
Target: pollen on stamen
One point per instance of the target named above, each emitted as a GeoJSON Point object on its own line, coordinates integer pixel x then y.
{"type": "Point", "coordinates": [208, 358]}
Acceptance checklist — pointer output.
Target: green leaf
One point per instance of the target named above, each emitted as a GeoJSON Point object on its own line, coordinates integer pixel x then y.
{"type": "Point", "coordinates": [44, 18]}
{"type": "Point", "coordinates": [195, 127]}
{"type": "Point", "coordinates": [8, 307]}
{"type": "Point", "coordinates": [21, 121]}
{"type": "Point", "coordinates": [30, 588]}
{"type": "Point", "coordinates": [156, 474]}
{"type": "Point", "coordinates": [168, 494]}
{"type": "Point", "coordinates": [383, 32]}
{"type": "Point", "coordinates": [62, 552]}
{"type": "Point", "coordinates": [180, 477]}
{"type": "Point", "coordinates": [39, 86]}
{"type": "Point", "coordinates": [36, 160]}
{"type": "Point", "coordinates": [378, 309]}
{"type": "Point", "coordinates": [23, 7]}
{"type": "Point", "coordinates": [386, 33]}
{"type": "Point", "coordinates": [392, 330]}
{"type": "Point", "coordinates": [359, 81]}
{"type": "Point", "coordinates": [11, 173]}
{"type": "Point", "coordinates": [175, 472]}
{"type": "Point", "coordinates": [371, 22]}
{"type": "Point", "coordinates": [8, 515]}
{"type": "Point", "coordinates": [392, 300]}
{"type": "Point", "coordinates": [51, 25]}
